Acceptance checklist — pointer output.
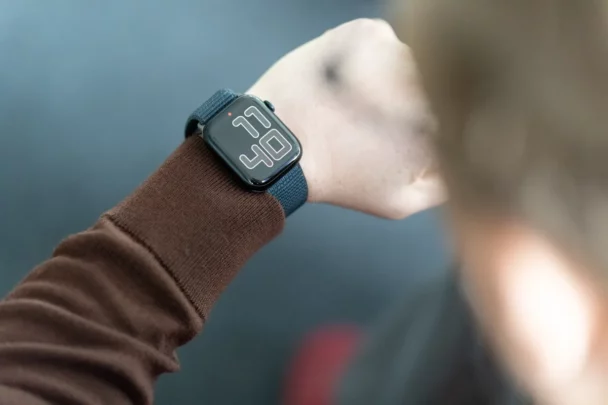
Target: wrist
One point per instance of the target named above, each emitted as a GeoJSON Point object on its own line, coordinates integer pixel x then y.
{"type": "Point", "coordinates": [231, 125]}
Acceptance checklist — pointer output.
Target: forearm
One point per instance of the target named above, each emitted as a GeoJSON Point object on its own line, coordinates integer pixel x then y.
{"type": "Point", "coordinates": [100, 321]}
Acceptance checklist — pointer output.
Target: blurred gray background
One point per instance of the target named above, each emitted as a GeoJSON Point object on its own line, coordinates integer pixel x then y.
{"type": "Point", "coordinates": [93, 97]}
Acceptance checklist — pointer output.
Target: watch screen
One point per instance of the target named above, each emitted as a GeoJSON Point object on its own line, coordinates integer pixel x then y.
{"type": "Point", "coordinates": [253, 141]}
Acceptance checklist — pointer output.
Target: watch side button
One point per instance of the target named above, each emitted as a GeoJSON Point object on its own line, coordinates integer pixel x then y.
{"type": "Point", "coordinates": [269, 105]}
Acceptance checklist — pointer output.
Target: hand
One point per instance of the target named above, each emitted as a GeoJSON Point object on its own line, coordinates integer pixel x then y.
{"type": "Point", "coordinates": [352, 97]}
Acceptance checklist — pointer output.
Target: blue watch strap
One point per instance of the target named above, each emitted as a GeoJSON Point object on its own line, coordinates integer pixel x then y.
{"type": "Point", "coordinates": [291, 190]}
{"type": "Point", "coordinates": [209, 109]}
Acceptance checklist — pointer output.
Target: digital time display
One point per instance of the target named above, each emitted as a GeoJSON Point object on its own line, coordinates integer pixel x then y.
{"type": "Point", "coordinates": [253, 142]}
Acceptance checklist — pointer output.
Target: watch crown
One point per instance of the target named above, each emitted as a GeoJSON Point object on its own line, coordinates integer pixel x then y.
{"type": "Point", "coordinates": [269, 105]}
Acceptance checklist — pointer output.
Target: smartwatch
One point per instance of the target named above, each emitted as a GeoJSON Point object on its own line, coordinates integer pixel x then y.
{"type": "Point", "coordinates": [244, 132]}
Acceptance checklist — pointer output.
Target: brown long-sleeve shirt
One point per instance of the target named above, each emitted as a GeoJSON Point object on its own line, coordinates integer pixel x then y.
{"type": "Point", "coordinates": [101, 320]}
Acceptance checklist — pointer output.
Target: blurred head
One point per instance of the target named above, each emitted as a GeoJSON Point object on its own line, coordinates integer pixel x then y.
{"type": "Point", "coordinates": [520, 89]}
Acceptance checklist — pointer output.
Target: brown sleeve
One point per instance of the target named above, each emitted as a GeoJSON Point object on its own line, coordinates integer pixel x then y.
{"type": "Point", "coordinates": [100, 320]}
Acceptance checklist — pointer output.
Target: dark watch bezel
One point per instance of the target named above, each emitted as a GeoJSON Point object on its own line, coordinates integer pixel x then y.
{"type": "Point", "coordinates": [250, 181]}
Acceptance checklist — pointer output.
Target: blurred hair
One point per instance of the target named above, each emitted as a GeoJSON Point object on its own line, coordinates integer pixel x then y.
{"type": "Point", "coordinates": [520, 89]}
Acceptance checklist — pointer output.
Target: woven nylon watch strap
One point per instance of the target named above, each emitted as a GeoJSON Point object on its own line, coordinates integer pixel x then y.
{"type": "Point", "coordinates": [291, 190]}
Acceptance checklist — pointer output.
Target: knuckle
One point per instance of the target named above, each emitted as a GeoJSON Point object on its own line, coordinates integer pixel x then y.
{"type": "Point", "coordinates": [396, 214]}
{"type": "Point", "coordinates": [395, 209]}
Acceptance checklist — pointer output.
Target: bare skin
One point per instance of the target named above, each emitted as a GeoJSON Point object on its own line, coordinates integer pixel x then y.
{"type": "Point", "coordinates": [365, 134]}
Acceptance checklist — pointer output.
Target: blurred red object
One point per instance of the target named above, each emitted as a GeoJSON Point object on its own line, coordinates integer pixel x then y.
{"type": "Point", "coordinates": [314, 373]}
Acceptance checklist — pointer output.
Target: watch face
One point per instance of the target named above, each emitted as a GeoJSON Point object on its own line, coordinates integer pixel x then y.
{"type": "Point", "coordinates": [253, 142]}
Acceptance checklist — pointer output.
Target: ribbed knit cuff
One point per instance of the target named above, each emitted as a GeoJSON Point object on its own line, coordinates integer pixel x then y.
{"type": "Point", "coordinates": [199, 222]}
